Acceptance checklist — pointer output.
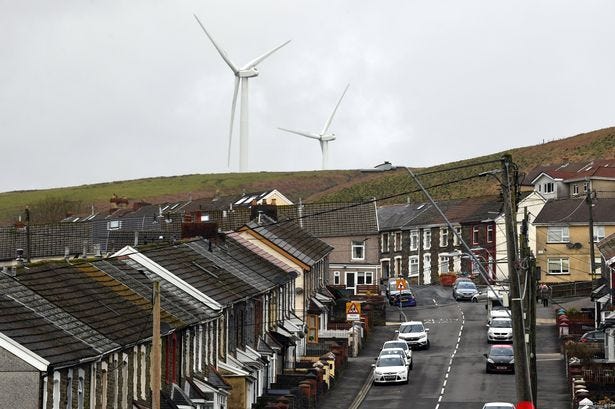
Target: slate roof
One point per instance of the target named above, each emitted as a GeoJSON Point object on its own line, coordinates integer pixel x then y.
{"type": "Point", "coordinates": [291, 238]}
{"type": "Point", "coordinates": [333, 219]}
{"type": "Point", "coordinates": [575, 210]}
{"type": "Point", "coordinates": [607, 247]}
{"type": "Point", "coordinates": [39, 335]}
{"type": "Point", "coordinates": [574, 171]}
{"type": "Point", "coordinates": [462, 211]}
{"type": "Point", "coordinates": [202, 273]}
{"type": "Point", "coordinates": [96, 299]}
{"type": "Point", "coordinates": [172, 299]}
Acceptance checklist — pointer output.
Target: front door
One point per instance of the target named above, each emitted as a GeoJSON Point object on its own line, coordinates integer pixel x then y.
{"type": "Point", "coordinates": [426, 268]}
{"type": "Point", "coordinates": [351, 281]}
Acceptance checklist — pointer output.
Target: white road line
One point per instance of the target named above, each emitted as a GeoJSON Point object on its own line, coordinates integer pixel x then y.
{"type": "Point", "coordinates": [442, 391]}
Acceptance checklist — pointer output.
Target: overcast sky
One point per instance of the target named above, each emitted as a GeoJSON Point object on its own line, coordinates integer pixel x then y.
{"type": "Point", "coordinates": [97, 91]}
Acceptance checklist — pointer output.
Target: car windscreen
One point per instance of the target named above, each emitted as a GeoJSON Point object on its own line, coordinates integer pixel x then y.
{"type": "Point", "coordinates": [399, 352]}
{"type": "Point", "coordinates": [390, 361]}
{"type": "Point", "coordinates": [501, 324]}
{"type": "Point", "coordinates": [501, 351]}
{"type": "Point", "coordinates": [406, 328]}
{"type": "Point", "coordinates": [467, 285]}
{"type": "Point", "coordinates": [396, 344]}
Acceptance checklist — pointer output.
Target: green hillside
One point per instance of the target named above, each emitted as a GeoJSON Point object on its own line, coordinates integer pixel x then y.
{"type": "Point", "coordinates": [341, 185]}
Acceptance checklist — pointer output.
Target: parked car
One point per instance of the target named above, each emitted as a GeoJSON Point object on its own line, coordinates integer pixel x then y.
{"type": "Point", "coordinates": [398, 344]}
{"type": "Point", "coordinates": [500, 359]}
{"type": "Point", "coordinates": [498, 405]}
{"type": "Point", "coordinates": [464, 290]}
{"type": "Point", "coordinates": [461, 280]}
{"type": "Point", "coordinates": [394, 286]}
{"type": "Point", "coordinates": [498, 313]}
{"type": "Point", "coordinates": [404, 298]}
{"type": "Point", "coordinates": [414, 334]}
{"type": "Point", "coordinates": [390, 369]}
{"type": "Point", "coordinates": [494, 293]}
{"type": "Point", "coordinates": [500, 330]}
{"type": "Point", "coordinates": [400, 352]}
{"type": "Point", "coordinates": [592, 336]}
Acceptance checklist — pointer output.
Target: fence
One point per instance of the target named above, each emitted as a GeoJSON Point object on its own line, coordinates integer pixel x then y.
{"type": "Point", "coordinates": [574, 289]}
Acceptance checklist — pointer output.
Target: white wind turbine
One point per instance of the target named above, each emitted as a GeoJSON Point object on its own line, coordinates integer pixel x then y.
{"type": "Point", "coordinates": [242, 74]}
{"type": "Point", "coordinates": [323, 137]}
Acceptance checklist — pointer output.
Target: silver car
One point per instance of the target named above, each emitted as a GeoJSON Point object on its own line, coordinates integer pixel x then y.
{"type": "Point", "coordinates": [464, 290]}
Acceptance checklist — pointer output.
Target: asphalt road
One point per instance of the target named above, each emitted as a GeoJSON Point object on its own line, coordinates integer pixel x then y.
{"type": "Point", "coordinates": [451, 374]}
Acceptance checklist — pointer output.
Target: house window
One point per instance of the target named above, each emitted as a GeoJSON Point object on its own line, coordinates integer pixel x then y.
{"type": "Point", "coordinates": [598, 233]}
{"type": "Point", "coordinates": [597, 267]}
{"type": "Point", "coordinates": [443, 236]}
{"type": "Point", "coordinates": [365, 277]}
{"type": "Point", "coordinates": [80, 389]}
{"type": "Point", "coordinates": [548, 187]}
{"type": "Point", "coordinates": [414, 266]}
{"type": "Point", "coordinates": [397, 243]}
{"type": "Point", "coordinates": [490, 233]}
{"type": "Point", "coordinates": [427, 239]}
{"type": "Point", "coordinates": [443, 264]}
{"type": "Point", "coordinates": [560, 265]}
{"type": "Point", "coordinates": [205, 217]}
{"type": "Point", "coordinates": [558, 234]}
{"type": "Point", "coordinates": [397, 266]}
{"type": "Point", "coordinates": [575, 189]}
{"type": "Point", "coordinates": [475, 234]}
{"type": "Point", "coordinates": [312, 326]}
{"type": "Point", "coordinates": [426, 263]}
{"type": "Point", "coordinates": [69, 390]}
{"type": "Point", "coordinates": [414, 239]}
{"type": "Point", "coordinates": [384, 242]}
{"type": "Point", "coordinates": [456, 237]}
{"type": "Point", "coordinates": [358, 250]}
{"type": "Point", "coordinates": [336, 278]}
{"type": "Point", "coordinates": [585, 187]}
{"type": "Point", "coordinates": [114, 224]}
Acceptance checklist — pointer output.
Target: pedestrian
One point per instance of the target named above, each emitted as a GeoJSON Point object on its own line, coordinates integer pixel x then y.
{"type": "Point", "coordinates": [543, 289]}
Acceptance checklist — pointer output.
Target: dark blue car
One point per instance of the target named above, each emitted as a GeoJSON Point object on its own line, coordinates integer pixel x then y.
{"type": "Point", "coordinates": [405, 299]}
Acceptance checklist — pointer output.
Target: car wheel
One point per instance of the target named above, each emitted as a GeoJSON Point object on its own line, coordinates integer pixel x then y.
{"type": "Point", "coordinates": [411, 365]}
{"type": "Point", "coordinates": [487, 370]}
{"type": "Point", "coordinates": [406, 381]}
{"type": "Point", "coordinates": [474, 299]}
{"type": "Point", "coordinates": [427, 345]}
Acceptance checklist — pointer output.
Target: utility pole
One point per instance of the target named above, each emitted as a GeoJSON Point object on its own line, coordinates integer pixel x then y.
{"type": "Point", "coordinates": [529, 266]}
{"type": "Point", "coordinates": [522, 370]}
{"type": "Point", "coordinates": [155, 356]}
{"type": "Point", "coordinates": [588, 200]}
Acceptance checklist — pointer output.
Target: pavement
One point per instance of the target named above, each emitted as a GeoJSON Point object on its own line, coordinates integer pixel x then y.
{"type": "Point", "coordinates": [349, 391]}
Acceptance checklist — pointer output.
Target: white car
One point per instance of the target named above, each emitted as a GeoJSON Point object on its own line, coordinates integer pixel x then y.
{"type": "Point", "coordinates": [398, 344]}
{"type": "Point", "coordinates": [390, 369]}
{"type": "Point", "coordinates": [400, 352]}
{"type": "Point", "coordinates": [500, 330]}
{"type": "Point", "coordinates": [499, 313]}
{"type": "Point", "coordinates": [498, 405]}
{"type": "Point", "coordinates": [414, 333]}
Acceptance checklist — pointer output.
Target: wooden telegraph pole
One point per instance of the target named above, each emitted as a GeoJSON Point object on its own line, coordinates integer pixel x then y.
{"type": "Point", "coordinates": [155, 371]}
{"type": "Point", "coordinates": [509, 194]}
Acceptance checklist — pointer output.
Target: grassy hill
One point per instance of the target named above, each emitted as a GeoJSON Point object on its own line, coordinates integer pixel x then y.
{"type": "Point", "coordinates": [341, 185]}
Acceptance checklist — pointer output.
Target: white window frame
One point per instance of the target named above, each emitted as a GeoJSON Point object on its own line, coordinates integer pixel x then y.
{"type": "Point", "coordinates": [490, 233]}
{"type": "Point", "coordinates": [564, 265]}
{"type": "Point", "coordinates": [456, 236]}
{"type": "Point", "coordinates": [414, 240]}
{"type": "Point", "coordinates": [413, 266]}
{"type": "Point", "coordinates": [443, 236]}
{"type": "Point", "coordinates": [205, 217]}
{"type": "Point", "coordinates": [337, 280]}
{"type": "Point", "coordinates": [558, 234]}
{"type": "Point", "coordinates": [427, 262]}
{"type": "Point", "coordinates": [549, 187]}
{"type": "Point", "coordinates": [397, 241]}
{"type": "Point", "coordinates": [575, 189]}
{"type": "Point", "coordinates": [385, 242]}
{"type": "Point", "coordinates": [357, 245]}
{"type": "Point", "coordinates": [397, 265]}
{"type": "Point", "coordinates": [598, 232]}
{"type": "Point", "coordinates": [114, 224]}
{"type": "Point", "coordinates": [441, 260]}
{"type": "Point", "coordinates": [475, 234]}
{"type": "Point", "coordinates": [597, 265]}
{"type": "Point", "coordinates": [427, 239]}
{"type": "Point", "coordinates": [367, 276]}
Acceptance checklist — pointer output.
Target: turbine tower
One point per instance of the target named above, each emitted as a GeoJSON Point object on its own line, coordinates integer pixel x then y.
{"type": "Point", "coordinates": [323, 137]}
{"type": "Point", "coordinates": [242, 74]}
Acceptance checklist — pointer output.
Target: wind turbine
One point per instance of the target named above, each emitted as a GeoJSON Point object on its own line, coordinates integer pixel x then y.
{"type": "Point", "coordinates": [323, 137]}
{"type": "Point", "coordinates": [242, 74]}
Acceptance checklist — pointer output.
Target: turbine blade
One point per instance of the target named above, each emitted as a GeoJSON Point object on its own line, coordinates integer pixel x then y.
{"type": "Point", "coordinates": [255, 61]}
{"type": "Point", "coordinates": [328, 123]}
{"type": "Point", "coordinates": [302, 133]}
{"type": "Point", "coordinates": [230, 134]}
{"type": "Point", "coordinates": [220, 50]}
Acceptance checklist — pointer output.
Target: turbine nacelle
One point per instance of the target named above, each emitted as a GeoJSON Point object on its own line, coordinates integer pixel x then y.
{"type": "Point", "coordinates": [249, 73]}
{"type": "Point", "coordinates": [327, 137]}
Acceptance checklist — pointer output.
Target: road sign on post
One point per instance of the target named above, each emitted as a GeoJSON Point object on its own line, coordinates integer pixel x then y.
{"type": "Point", "coordinates": [353, 311]}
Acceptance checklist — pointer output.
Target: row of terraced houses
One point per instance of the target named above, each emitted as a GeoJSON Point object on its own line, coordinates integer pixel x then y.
{"type": "Point", "coordinates": [253, 287]}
